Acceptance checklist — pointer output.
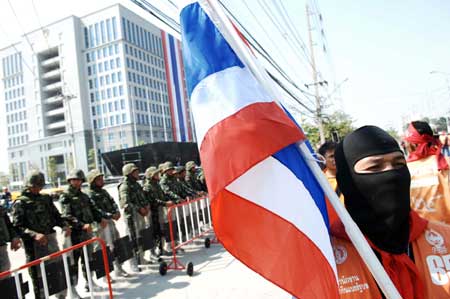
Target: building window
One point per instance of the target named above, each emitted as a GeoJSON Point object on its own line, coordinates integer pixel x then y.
{"type": "Point", "coordinates": [108, 30]}
{"type": "Point", "coordinates": [114, 29]}
{"type": "Point", "coordinates": [86, 38]}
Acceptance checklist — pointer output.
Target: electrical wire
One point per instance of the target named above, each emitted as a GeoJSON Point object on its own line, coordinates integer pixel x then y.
{"type": "Point", "coordinates": [40, 24]}
{"type": "Point", "coordinates": [175, 26]}
{"type": "Point", "coordinates": [21, 27]}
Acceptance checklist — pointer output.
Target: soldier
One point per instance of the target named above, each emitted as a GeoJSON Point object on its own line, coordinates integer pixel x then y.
{"type": "Point", "coordinates": [169, 185]}
{"type": "Point", "coordinates": [132, 200]}
{"type": "Point", "coordinates": [191, 176]}
{"type": "Point", "coordinates": [159, 204]}
{"type": "Point", "coordinates": [7, 234]}
{"type": "Point", "coordinates": [201, 179]}
{"type": "Point", "coordinates": [185, 189]}
{"type": "Point", "coordinates": [35, 216]}
{"type": "Point", "coordinates": [81, 213]}
{"type": "Point", "coordinates": [109, 211]}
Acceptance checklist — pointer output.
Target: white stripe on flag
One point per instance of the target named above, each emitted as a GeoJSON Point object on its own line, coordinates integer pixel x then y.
{"type": "Point", "coordinates": [221, 95]}
{"type": "Point", "coordinates": [274, 187]}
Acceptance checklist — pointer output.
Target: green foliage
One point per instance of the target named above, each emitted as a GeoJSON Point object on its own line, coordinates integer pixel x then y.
{"type": "Point", "coordinates": [393, 132]}
{"type": "Point", "coordinates": [52, 170]}
{"type": "Point", "coordinates": [338, 124]}
{"type": "Point", "coordinates": [4, 179]}
{"type": "Point", "coordinates": [92, 164]}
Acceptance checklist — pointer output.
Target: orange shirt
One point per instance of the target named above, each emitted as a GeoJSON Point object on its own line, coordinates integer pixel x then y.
{"type": "Point", "coordinates": [332, 215]}
{"type": "Point", "coordinates": [430, 194]}
{"type": "Point", "coordinates": [431, 255]}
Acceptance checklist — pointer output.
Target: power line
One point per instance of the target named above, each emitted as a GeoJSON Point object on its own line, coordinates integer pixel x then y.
{"type": "Point", "coordinates": [175, 26]}
{"type": "Point", "coordinates": [40, 24]}
{"type": "Point", "coordinates": [18, 52]}
{"type": "Point", "coordinates": [23, 31]}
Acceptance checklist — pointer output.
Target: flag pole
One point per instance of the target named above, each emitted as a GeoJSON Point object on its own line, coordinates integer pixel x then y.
{"type": "Point", "coordinates": [219, 18]}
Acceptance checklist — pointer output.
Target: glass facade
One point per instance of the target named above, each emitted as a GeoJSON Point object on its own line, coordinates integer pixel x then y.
{"type": "Point", "coordinates": [15, 101]}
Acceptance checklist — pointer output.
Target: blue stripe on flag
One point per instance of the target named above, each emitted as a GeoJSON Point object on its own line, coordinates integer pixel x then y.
{"type": "Point", "coordinates": [205, 50]}
{"type": "Point", "coordinates": [291, 158]}
{"type": "Point", "coordinates": [180, 109]}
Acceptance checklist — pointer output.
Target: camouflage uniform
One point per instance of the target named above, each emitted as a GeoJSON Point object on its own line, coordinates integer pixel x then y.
{"type": "Point", "coordinates": [36, 214]}
{"type": "Point", "coordinates": [131, 200]}
{"type": "Point", "coordinates": [201, 179]}
{"type": "Point", "coordinates": [107, 207]}
{"type": "Point", "coordinates": [169, 184]}
{"type": "Point", "coordinates": [7, 234]}
{"type": "Point", "coordinates": [158, 201]}
{"type": "Point", "coordinates": [79, 210]}
{"type": "Point", "coordinates": [183, 186]}
{"type": "Point", "coordinates": [191, 177]}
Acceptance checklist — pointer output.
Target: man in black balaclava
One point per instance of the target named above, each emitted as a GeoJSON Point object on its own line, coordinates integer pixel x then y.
{"type": "Point", "coordinates": [377, 201]}
{"type": "Point", "coordinates": [373, 176]}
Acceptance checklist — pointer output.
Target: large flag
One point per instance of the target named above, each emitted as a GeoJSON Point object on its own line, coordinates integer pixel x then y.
{"type": "Point", "coordinates": [267, 207]}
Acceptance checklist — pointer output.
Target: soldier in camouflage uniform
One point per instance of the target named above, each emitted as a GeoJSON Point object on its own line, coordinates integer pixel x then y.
{"type": "Point", "coordinates": [169, 184]}
{"type": "Point", "coordinates": [134, 204]}
{"type": "Point", "coordinates": [201, 179]}
{"type": "Point", "coordinates": [7, 234]}
{"type": "Point", "coordinates": [109, 211]}
{"type": "Point", "coordinates": [159, 204]}
{"type": "Point", "coordinates": [185, 189]}
{"type": "Point", "coordinates": [82, 214]}
{"type": "Point", "coordinates": [191, 177]}
{"type": "Point", "coordinates": [35, 216]}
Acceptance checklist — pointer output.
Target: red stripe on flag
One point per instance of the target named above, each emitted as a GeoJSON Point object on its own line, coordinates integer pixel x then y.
{"type": "Point", "coordinates": [240, 141]}
{"type": "Point", "coordinates": [169, 85]}
{"type": "Point", "coordinates": [272, 247]}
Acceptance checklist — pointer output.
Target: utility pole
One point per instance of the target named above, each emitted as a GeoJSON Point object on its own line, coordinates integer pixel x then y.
{"type": "Point", "coordinates": [315, 83]}
{"type": "Point", "coordinates": [66, 100]}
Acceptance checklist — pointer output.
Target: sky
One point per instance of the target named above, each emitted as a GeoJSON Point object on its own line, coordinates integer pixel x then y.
{"type": "Point", "coordinates": [379, 53]}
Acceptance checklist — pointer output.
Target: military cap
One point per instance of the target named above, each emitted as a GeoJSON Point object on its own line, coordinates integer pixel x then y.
{"type": "Point", "coordinates": [151, 171]}
{"type": "Point", "coordinates": [76, 174]}
{"type": "Point", "coordinates": [35, 179]}
{"type": "Point", "coordinates": [129, 168]}
{"type": "Point", "coordinates": [190, 165]}
{"type": "Point", "coordinates": [92, 175]}
{"type": "Point", "coordinates": [167, 166]}
{"type": "Point", "coordinates": [179, 169]}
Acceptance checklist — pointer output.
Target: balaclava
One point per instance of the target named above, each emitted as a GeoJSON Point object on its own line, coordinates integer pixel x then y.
{"type": "Point", "coordinates": [378, 202]}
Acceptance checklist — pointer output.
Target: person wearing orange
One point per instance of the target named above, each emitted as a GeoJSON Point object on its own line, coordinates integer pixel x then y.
{"type": "Point", "coordinates": [430, 193]}
{"type": "Point", "coordinates": [375, 180]}
{"type": "Point", "coordinates": [326, 150]}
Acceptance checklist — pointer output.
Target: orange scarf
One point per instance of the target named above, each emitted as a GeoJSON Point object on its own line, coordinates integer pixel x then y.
{"type": "Point", "coordinates": [400, 268]}
{"type": "Point", "coordinates": [424, 150]}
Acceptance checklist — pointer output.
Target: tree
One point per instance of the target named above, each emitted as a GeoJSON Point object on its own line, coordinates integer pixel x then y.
{"type": "Point", "coordinates": [439, 124]}
{"type": "Point", "coordinates": [92, 164]}
{"type": "Point", "coordinates": [13, 172]}
{"type": "Point", "coordinates": [52, 171]}
{"type": "Point", "coordinates": [4, 179]}
{"type": "Point", "coordinates": [393, 132]}
{"type": "Point", "coordinates": [336, 125]}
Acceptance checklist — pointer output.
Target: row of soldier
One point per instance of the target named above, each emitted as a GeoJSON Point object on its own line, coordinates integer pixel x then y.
{"type": "Point", "coordinates": [94, 213]}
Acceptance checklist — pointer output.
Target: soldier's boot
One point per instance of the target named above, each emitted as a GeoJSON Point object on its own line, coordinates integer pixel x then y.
{"type": "Point", "coordinates": [134, 265]}
{"type": "Point", "coordinates": [75, 294]}
{"type": "Point", "coordinates": [119, 271]}
{"type": "Point", "coordinates": [166, 248]}
{"type": "Point", "coordinates": [95, 286]}
{"type": "Point", "coordinates": [142, 259]}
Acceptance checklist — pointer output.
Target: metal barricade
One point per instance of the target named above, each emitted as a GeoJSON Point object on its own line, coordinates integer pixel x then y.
{"type": "Point", "coordinates": [65, 255]}
{"type": "Point", "coordinates": [188, 221]}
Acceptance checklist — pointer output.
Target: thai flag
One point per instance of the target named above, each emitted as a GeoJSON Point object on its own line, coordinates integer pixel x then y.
{"type": "Point", "coordinates": [268, 209]}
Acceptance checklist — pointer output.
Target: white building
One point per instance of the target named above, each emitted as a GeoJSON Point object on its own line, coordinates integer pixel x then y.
{"type": "Point", "coordinates": [110, 72]}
